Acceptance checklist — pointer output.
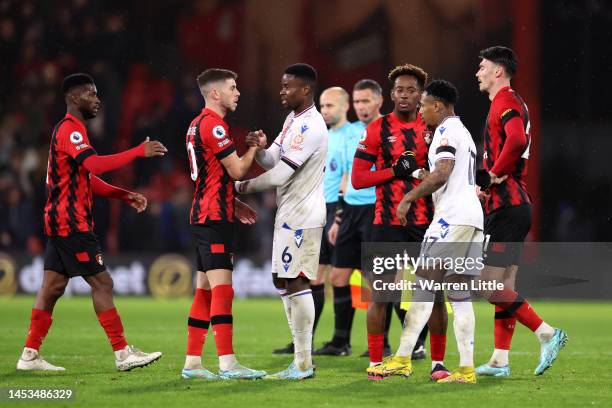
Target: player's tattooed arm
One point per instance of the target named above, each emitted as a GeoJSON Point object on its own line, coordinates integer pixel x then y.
{"type": "Point", "coordinates": [431, 183]}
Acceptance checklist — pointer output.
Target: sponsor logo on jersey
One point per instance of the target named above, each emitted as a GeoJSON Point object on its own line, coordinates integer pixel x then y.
{"type": "Point", "coordinates": [223, 142]}
{"type": "Point", "coordinates": [444, 228]}
{"type": "Point", "coordinates": [82, 146]}
{"type": "Point", "coordinates": [76, 138]}
{"type": "Point", "coordinates": [442, 129]}
{"type": "Point", "coordinates": [219, 132]}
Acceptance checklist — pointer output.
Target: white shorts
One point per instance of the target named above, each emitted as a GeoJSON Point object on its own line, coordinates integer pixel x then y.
{"type": "Point", "coordinates": [456, 248]}
{"type": "Point", "coordinates": [295, 252]}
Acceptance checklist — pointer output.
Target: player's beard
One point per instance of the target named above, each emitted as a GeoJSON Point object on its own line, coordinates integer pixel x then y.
{"type": "Point", "coordinates": [87, 113]}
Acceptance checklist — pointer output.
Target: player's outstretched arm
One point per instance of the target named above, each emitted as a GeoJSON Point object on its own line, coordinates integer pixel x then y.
{"type": "Point", "coordinates": [100, 188]}
{"type": "Point", "coordinates": [101, 164]}
{"type": "Point", "coordinates": [431, 183]}
{"type": "Point", "coordinates": [275, 177]}
{"type": "Point", "coordinates": [236, 166]}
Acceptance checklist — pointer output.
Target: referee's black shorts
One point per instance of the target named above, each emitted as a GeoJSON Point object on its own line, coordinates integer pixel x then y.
{"type": "Point", "coordinates": [327, 249]}
{"type": "Point", "coordinates": [355, 228]}
{"type": "Point", "coordinates": [505, 231]}
{"type": "Point", "coordinates": [77, 254]}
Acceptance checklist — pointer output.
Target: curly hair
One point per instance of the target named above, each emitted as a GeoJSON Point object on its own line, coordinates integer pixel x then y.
{"type": "Point", "coordinates": [409, 69]}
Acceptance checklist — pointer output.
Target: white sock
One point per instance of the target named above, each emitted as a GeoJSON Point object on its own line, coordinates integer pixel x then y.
{"type": "Point", "coordinates": [416, 319]}
{"type": "Point", "coordinates": [227, 362]}
{"type": "Point", "coordinates": [545, 332]}
{"type": "Point", "coordinates": [193, 362]}
{"type": "Point", "coordinates": [435, 363]}
{"type": "Point", "coordinates": [28, 354]}
{"type": "Point", "coordinates": [302, 321]}
{"type": "Point", "coordinates": [119, 354]}
{"type": "Point", "coordinates": [287, 306]}
{"type": "Point", "coordinates": [464, 323]}
{"type": "Point", "coordinates": [500, 358]}
{"type": "Point", "coordinates": [374, 363]}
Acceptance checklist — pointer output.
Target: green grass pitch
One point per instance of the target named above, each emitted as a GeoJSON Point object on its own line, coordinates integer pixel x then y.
{"type": "Point", "coordinates": [580, 377]}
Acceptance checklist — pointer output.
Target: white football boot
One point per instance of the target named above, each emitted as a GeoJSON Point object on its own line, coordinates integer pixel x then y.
{"type": "Point", "coordinates": [31, 360]}
{"type": "Point", "coordinates": [130, 357]}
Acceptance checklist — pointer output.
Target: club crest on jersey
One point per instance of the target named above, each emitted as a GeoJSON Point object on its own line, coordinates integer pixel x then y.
{"type": "Point", "coordinates": [297, 142]}
{"type": "Point", "coordinates": [364, 136]}
{"type": "Point", "coordinates": [99, 259]}
{"type": "Point", "coordinates": [333, 166]}
{"type": "Point", "coordinates": [427, 136]}
{"type": "Point", "coordinates": [444, 141]}
{"type": "Point", "coordinates": [76, 138]}
{"type": "Point", "coordinates": [299, 237]}
{"type": "Point", "coordinates": [218, 132]}
{"type": "Point", "coordinates": [392, 139]}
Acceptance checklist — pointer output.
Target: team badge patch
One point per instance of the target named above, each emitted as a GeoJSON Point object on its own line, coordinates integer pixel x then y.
{"type": "Point", "coordinates": [444, 142]}
{"type": "Point", "coordinates": [297, 143]}
{"type": "Point", "coordinates": [99, 259]}
{"type": "Point", "coordinates": [364, 136]}
{"type": "Point", "coordinates": [219, 132]}
{"type": "Point", "coordinates": [76, 138]}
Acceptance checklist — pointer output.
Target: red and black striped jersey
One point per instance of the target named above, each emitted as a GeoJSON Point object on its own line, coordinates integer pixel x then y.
{"type": "Point", "coordinates": [69, 202]}
{"type": "Point", "coordinates": [506, 105]}
{"type": "Point", "coordinates": [208, 142]}
{"type": "Point", "coordinates": [384, 140]}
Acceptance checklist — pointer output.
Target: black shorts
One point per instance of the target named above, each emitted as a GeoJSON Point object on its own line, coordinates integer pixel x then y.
{"type": "Point", "coordinates": [327, 249]}
{"type": "Point", "coordinates": [355, 228]}
{"type": "Point", "coordinates": [214, 241]}
{"type": "Point", "coordinates": [398, 233]}
{"type": "Point", "coordinates": [77, 254]}
{"type": "Point", "coordinates": [505, 231]}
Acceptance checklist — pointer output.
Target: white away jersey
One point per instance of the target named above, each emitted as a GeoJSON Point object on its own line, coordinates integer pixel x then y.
{"type": "Point", "coordinates": [303, 146]}
{"type": "Point", "coordinates": [456, 203]}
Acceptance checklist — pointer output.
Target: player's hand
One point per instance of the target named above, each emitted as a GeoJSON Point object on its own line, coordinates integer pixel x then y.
{"type": "Point", "coordinates": [245, 213]}
{"type": "Point", "coordinates": [332, 233]}
{"type": "Point", "coordinates": [154, 148]}
{"type": "Point", "coordinates": [497, 180]}
{"type": "Point", "coordinates": [483, 195]}
{"type": "Point", "coordinates": [138, 201]}
{"type": "Point", "coordinates": [402, 210]}
{"type": "Point", "coordinates": [256, 139]}
{"type": "Point", "coordinates": [483, 179]}
{"type": "Point", "coordinates": [405, 165]}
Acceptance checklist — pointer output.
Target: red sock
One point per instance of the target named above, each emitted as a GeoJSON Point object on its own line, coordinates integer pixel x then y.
{"type": "Point", "coordinates": [504, 329]}
{"type": "Point", "coordinates": [40, 321]}
{"type": "Point", "coordinates": [198, 321]}
{"type": "Point", "coordinates": [437, 343]}
{"type": "Point", "coordinates": [514, 305]}
{"type": "Point", "coordinates": [375, 346]}
{"type": "Point", "coordinates": [221, 318]}
{"type": "Point", "coordinates": [111, 323]}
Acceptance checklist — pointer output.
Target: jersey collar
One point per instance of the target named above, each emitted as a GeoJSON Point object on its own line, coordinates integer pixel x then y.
{"type": "Point", "coordinates": [213, 113]}
{"type": "Point", "coordinates": [502, 90]}
{"type": "Point", "coordinates": [75, 120]}
{"type": "Point", "coordinates": [304, 111]}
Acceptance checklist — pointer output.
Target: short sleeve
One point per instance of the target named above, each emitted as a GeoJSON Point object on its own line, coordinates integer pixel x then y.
{"type": "Point", "coordinates": [304, 144]}
{"type": "Point", "coordinates": [215, 136]}
{"type": "Point", "coordinates": [73, 140]}
{"type": "Point", "coordinates": [447, 144]}
{"type": "Point", "coordinates": [369, 142]}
